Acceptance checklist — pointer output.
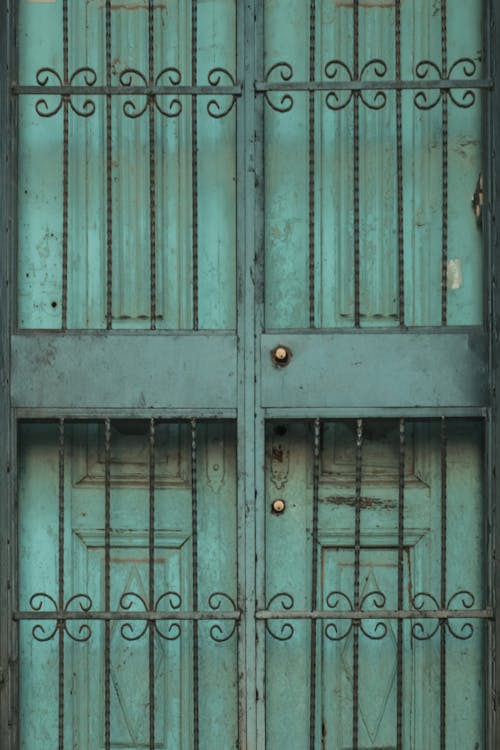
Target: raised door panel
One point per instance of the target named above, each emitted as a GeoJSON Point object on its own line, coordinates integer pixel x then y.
{"type": "Point", "coordinates": [164, 654]}
{"type": "Point", "coordinates": [416, 513]}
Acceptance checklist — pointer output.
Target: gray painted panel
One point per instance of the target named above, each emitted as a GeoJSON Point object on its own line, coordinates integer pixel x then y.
{"type": "Point", "coordinates": [141, 371]}
{"type": "Point", "coordinates": [377, 370]}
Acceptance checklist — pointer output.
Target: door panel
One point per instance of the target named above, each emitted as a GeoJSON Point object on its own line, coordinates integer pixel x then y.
{"type": "Point", "coordinates": [165, 666]}
{"type": "Point", "coordinates": [382, 527]}
{"type": "Point", "coordinates": [364, 194]}
{"type": "Point", "coordinates": [125, 219]}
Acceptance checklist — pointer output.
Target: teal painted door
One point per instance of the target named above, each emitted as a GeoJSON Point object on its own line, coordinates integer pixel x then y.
{"type": "Point", "coordinates": [253, 505]}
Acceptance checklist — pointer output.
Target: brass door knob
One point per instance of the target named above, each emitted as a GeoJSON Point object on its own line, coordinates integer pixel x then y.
{"type": "Point", "coordinates": [278, 506]}
{"type": "Point", "coordinates": [281, 356]}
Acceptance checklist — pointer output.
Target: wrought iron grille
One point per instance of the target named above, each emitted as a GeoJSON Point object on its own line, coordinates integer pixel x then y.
{"type": "Point", "coordinates": [400, 86]}
{"type": "Point", "coordinates": [333, 622]}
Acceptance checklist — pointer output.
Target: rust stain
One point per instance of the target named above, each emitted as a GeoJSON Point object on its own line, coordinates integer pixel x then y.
{"type": "Point", "coordinates": [366, 502]}
{"type": "Point", "coordinates": [137, 6]}
{"type": "Point", "coordinates": [366, 5]}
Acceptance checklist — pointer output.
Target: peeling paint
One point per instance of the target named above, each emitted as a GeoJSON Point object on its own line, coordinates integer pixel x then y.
{"type": "Point", "coordinates": [454, 274]}
{"type": "Point", "coordinates": [365, 502]}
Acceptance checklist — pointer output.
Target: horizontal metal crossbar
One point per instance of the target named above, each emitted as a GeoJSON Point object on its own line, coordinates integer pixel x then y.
{"type": "Point", "coordinates": [396, 85]}
{"type": "Point", "coordinates": [380, 614]}
{"type": "Point", "coordinates": [260, 87]}
{"type": "Point", "coordinates": [69, 90]}
{"type": "Point", "coordinates": [127, 616]}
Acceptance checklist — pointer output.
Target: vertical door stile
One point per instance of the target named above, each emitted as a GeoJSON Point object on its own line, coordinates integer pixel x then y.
{"type": "Point", "coordinates": [492, 219]}
{"type": "Point", "coordinates": [8, 529]}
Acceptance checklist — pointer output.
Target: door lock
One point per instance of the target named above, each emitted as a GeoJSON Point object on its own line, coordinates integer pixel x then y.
{"type": "Point", "coordinates": [281, 356]}
{"type": "Point", "coordinates": [278, 506]}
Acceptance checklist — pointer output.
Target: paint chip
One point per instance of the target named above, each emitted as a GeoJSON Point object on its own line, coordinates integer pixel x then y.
{"type": "Point", "coordinates": [454, 275]}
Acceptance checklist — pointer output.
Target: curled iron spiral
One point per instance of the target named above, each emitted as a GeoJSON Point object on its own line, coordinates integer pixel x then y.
{"type": "Point", "coordinates": [214, 109]}
{"type": "Point", "coordinates": [462, 633]}
{"type": "Point", "coordinates": [43, 78]}
{"type": "Point", "coordinates": [428, 99]}
{"type": "Point", "coordinates": [37, 602]}
{"type": "Point", "coordinates": [287, 630]}
{"type": "Point", "coordinates": [173, 631]}
{"type": "Point", "coordinates": [173, 106]}
{"type": "Point", "coordinates": [217, 631]}
{"type": "Point", "coordinates": [285, 72]}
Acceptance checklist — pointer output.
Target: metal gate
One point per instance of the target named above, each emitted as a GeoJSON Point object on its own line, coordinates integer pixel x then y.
{"type": "Point", "coordinates": [249, 339]}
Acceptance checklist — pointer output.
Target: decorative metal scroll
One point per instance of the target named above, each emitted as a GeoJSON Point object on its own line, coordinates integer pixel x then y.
{"type": "Point", "coordinates": [165, 94]}
{"type": "Point", "coordinates": [463, 633]}
{"type": "Point", "coordinates": [340, 84]}
{"type": "Point", "coordinates": [37, 603]}
{"type": "Point", "coordinates": [340, 616]}
{"type": "Point", "coordinates": [165, 617]}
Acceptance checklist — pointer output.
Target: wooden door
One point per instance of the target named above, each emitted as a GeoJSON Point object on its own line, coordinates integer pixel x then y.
{"type": "Point", "coordinates": [248, 357]}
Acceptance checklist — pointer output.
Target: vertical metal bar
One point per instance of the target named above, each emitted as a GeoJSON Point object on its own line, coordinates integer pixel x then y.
{"type": "Point", "coordinates": [250, 424]}
{"type": "Point", "coordinates": [356, 163]}
{"type": "Point", "coordinates": [444, 168]}
{"type": "Point", "coordinates": [109, 179]}
{"type": "Point", "coordinates": [151, 565]}
{"type": "Point", "coordinates": [314, 586]}
{"type": "Point", "coordinates": [194, 540]}
{"type": "Point", "coordinates": [442, 690]}
{"type": "Point", "coordinates": [107, 583]}
{"type": "Point", "coordinates": [152, 169]}
{"type": "Point", "coordinates": [312, 145]}
{"type": "Point", "coordinates": [65, 185]}
{"type": "Point", "coordinates": [401, 523]}
{"type": "Point", "coordinates": [194, 157]}
{"type": "Point", "coordinates": [357, 559]}
{"type": "Point", "coordinates": [60, 624]}
{"type": "Point", "coordinates": [399, 167]}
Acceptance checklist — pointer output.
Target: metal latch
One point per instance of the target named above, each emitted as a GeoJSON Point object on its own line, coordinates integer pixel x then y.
{"type": "Point", "coordinates": [478, 198]}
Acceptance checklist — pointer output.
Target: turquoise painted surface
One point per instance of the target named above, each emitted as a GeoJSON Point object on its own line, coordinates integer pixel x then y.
{"type": "Point", "coordinates": [41, 173]}
{"type": "Point", "coordinates": [287, 171]}
{"type": "Point", "coordinates": [84, 574]}
{"type": "Point", "coordinates": [288, 549]}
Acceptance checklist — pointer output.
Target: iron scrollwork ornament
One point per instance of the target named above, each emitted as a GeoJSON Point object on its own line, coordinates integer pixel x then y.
{"type": "Point", "coordinates": [286, 602]}
{"type": "Point", "coordinates": [37, 602]}
{"type": "Point", "coordinates": [334, 632]}
{"type": "Point", "coordinates": [170, 598]}
{"type": "Point", "coordinates": [462, 633]}
{"type": "Point", "coordinates": [43, 79]}
{"type": "Point", "coordinates": [428, 99]}
{"type": "Point", "coordinates": [217, 631]}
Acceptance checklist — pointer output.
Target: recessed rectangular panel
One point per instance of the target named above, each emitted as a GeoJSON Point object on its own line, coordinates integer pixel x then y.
{"type": "Point", "coordinates": [372, 121]}
{"type": "Point", "coordinates": [376, 606]}
{"type": "Point", "coordinates": [128, 620]}
{"type": "Point", "coordinates": [125, 220]}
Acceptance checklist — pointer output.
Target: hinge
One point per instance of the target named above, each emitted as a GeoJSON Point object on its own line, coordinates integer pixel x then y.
{"type": "Point", "coordinates": [478, 199]}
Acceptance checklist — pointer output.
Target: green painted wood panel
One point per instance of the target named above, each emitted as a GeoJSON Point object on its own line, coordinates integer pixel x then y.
{"type": "Point", "coordinates": [181, 199]}
{"type": "Point", "coordinates": [291, 221]}
{"type": "Point", "coordinates": [84, 562]}
{"type": "Point", "coordinates": [289, 542]}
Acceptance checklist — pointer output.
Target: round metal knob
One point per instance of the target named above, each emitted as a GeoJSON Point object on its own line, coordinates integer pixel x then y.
{"type": "Point", "coordinates": [281, 356]}
{"type": "Point", "coordinates": [278, 506]}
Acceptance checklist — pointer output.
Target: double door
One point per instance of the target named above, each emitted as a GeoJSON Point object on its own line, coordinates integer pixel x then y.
{"type": "Point", "coordinates": [249, 392]}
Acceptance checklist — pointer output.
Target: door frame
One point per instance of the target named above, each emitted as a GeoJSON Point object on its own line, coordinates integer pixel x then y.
{"type": "Point", "coordinates": [252, 360]}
